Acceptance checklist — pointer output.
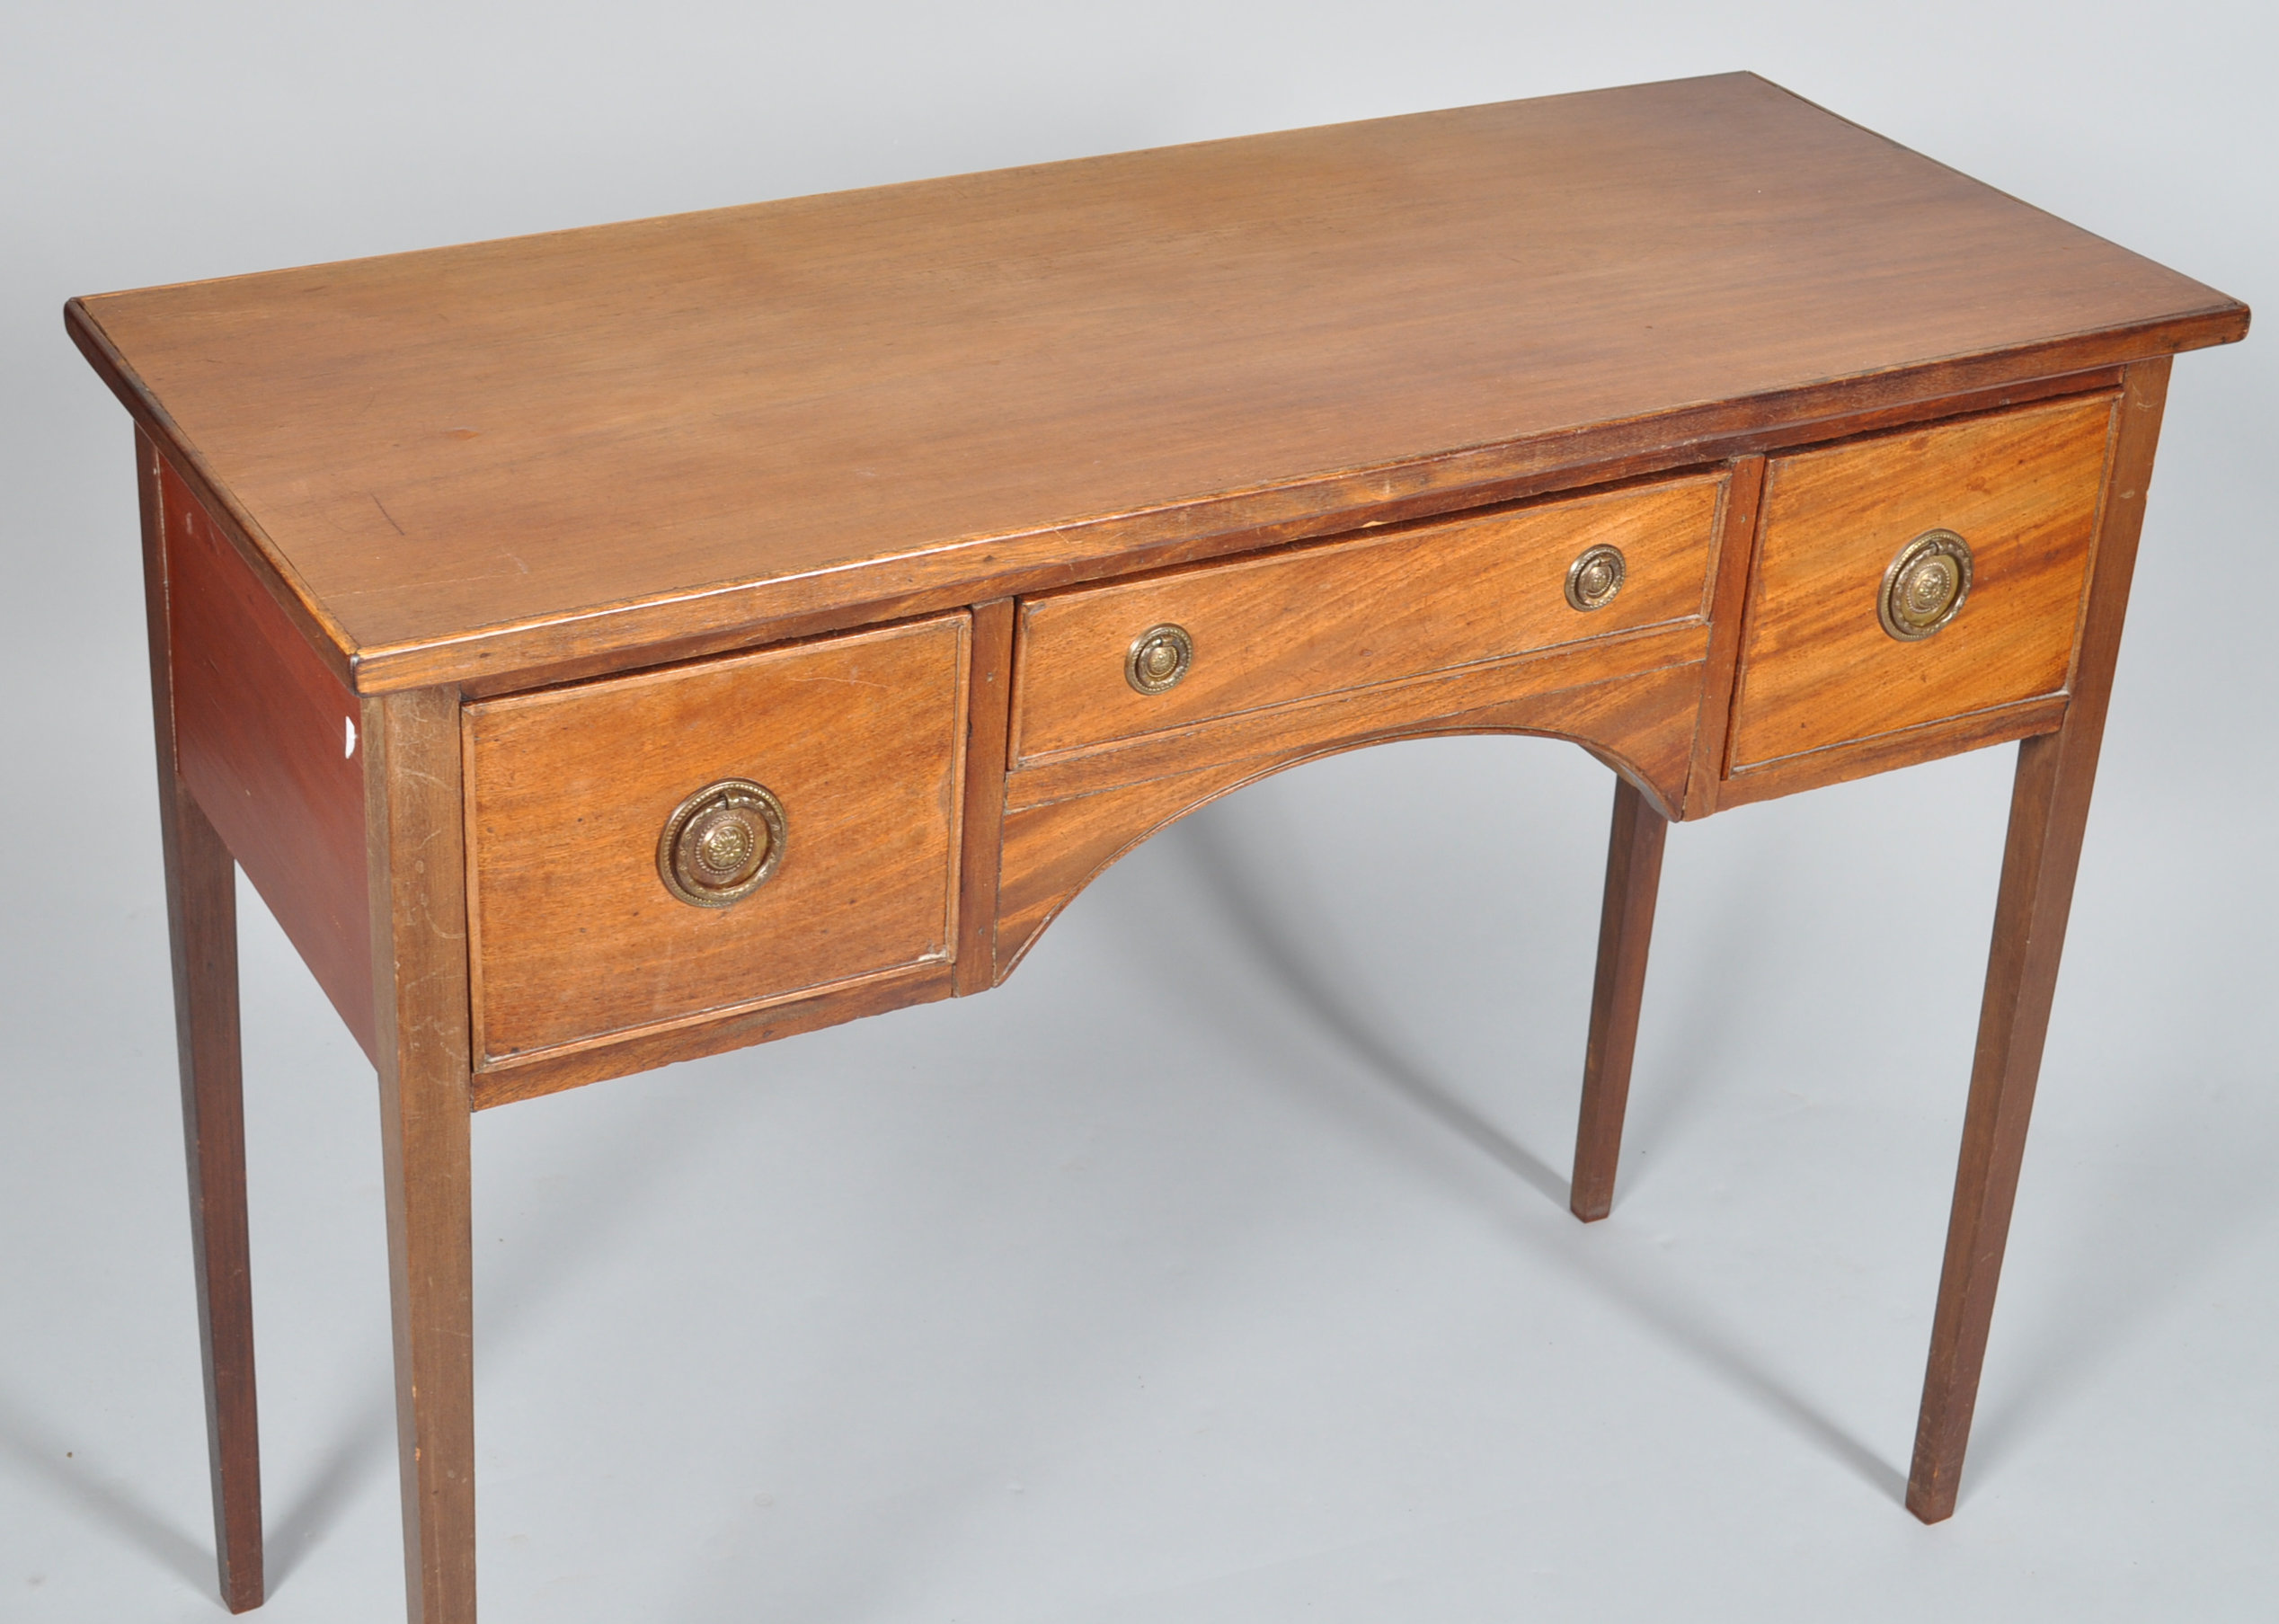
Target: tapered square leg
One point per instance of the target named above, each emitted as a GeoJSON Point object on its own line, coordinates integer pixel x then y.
{"type": "Point", "coordinates": [2029, 925]}
{"type": "Point", "coordinates": [1625, 927]}
{"type": "Point", "coordinates": [202, 915]}
{"type": "Point", "coordinates": [202, 905]}
{"type": "Point", "coordinates": [2048, 814]}
{"type": "Point", "coordinates": [420, 968]}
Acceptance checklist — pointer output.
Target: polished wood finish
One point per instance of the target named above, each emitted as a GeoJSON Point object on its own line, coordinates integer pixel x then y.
{"type": "Point", "coordinates": [1059, 367]}
{"type": "Point", "coordinates": [866, 496]}
{"type": "Point", "coordinates": [576, 938]}
{"type": "Point", "coordinates": [1817, 668]}
{"type": "Point", "coordinates": [1389, 709]}
{"type": "Point", "coordinates": [989, 711]}
{"type": "Point", "coordinates": [266, 738]}
{"type": "Point", "coordinates": [1625, 930]}
{"type": "Point", "coordinates": [1322, 619]}
{"type": "Point", "coordinates": [202, 914]}
{"type": "Point", "coordinates": [2049, 815]}
{"type": "Point", "coordinates": [1642, 724]}
{"type": "Point", "coordinates": [1934, 393]}
{"type": "Point", "coordinates": [411, 776]}
{"type": "Point", "coordinates": [1816, 769]}
{"type": "Point", "coordinates": [653, 1046]}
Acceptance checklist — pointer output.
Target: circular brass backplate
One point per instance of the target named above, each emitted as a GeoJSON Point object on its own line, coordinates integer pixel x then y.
{"type": "Point", "coordinates": [1595, 577]}
{"type": "Point", "coordinates": [722, 843]}
{"type": "Point", "coordinates": [1925, 586]}
{"type": "Point", "coordinates": [1159, 659]}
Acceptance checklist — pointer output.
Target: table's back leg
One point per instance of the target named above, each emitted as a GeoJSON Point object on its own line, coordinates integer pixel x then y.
{"type": "Point", "coordinates": [202, 914]}
{"type": "Point", "coordinates": [419, 959]}
{"type": "Point", "coordinates": [2049, 811]}
{"type": "Point", "coordinates": [1626, 929]}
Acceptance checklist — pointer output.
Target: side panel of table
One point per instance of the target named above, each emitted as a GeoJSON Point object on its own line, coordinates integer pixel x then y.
{"type": "Point", "coordinates": [270, 743]}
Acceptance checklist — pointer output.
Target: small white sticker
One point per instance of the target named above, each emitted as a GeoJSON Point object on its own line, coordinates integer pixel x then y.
{"type": "Point", "coordinates": [349, 723]}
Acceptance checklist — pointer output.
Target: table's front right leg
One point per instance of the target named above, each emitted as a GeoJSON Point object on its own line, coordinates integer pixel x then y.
{"type": "Point", "coordinates": [420, 969]}
{"type": "Point", "coordinates": [2049, 816]}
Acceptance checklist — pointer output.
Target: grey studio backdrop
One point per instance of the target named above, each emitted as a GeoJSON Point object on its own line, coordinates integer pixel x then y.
{"type": "Point", "coordinates": [1218, 1266]}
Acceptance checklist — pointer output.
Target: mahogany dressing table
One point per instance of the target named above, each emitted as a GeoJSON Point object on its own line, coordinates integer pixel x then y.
{"type": "Point", "coordinates": [611, 646]}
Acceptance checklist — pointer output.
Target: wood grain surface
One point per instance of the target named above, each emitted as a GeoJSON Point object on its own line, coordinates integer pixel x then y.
{"type": "Point", "coordinates": [201, 919]}
{"type": "Point", "coordinates": [627, 1053]}
{"type": "Point", "coordinates": [576, 937]}
{"type": "Point", "coordinates": [1817, 668]}
{"type": "Point", "coordinates": [1386, 708]}
{"type": "Point", "coordinates": [808, 407]}
{"type": "Point", "coordinates": [1641, 724]}
{"type": "Point", "coordinates": [1317, 620]}
{"type": "Point", "coordinates": [1460, 482]}
{"type": "Point", "coordinates": [266, 736]}
{"type": "Point", "coordinates": [412, 773]}
{"type": "Point", "coordinates": [1886, 752]}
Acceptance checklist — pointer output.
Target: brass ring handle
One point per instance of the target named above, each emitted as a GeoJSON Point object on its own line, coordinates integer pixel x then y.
{"type": "Point", "coordinates": [1159, 657]}
{"type": "Point", "coordinates": [1925, 585]}
{"type": "Point", "coordinates": [722, 843]}
{"type": "Point", "coordinates": [1595, 577]}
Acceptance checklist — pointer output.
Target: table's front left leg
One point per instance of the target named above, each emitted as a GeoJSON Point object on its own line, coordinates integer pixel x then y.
{"type": "Point", "coordinates": [202, 915]}
{"type": "Point", "coordinates": [420, 968]}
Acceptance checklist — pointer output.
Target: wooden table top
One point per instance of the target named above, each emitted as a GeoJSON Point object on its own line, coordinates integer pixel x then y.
{"type": "Point", "coordinates": [557, 452]}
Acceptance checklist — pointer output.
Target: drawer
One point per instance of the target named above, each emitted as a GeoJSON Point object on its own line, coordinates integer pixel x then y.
{"type": "Point", "coordinates": [1346, 614]}
{"type": "Point", "coordinates": [1817, 666]}
{"type": "Point", "coordinates": [576, 933]}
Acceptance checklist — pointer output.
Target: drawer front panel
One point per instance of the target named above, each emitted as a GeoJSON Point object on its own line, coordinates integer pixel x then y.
{"type": "Point", "coordinates": [1817, 666]}
{"type": "Point", "coordinates": [1347, 614]}
{"type": "Point", "coordinates": [576, 935]}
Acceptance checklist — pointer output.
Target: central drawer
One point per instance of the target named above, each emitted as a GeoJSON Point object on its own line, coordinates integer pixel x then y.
{"type": "Point", "coordinates": [1099, 664]}
{"type": "Point", "coordinates": [685, 842]}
